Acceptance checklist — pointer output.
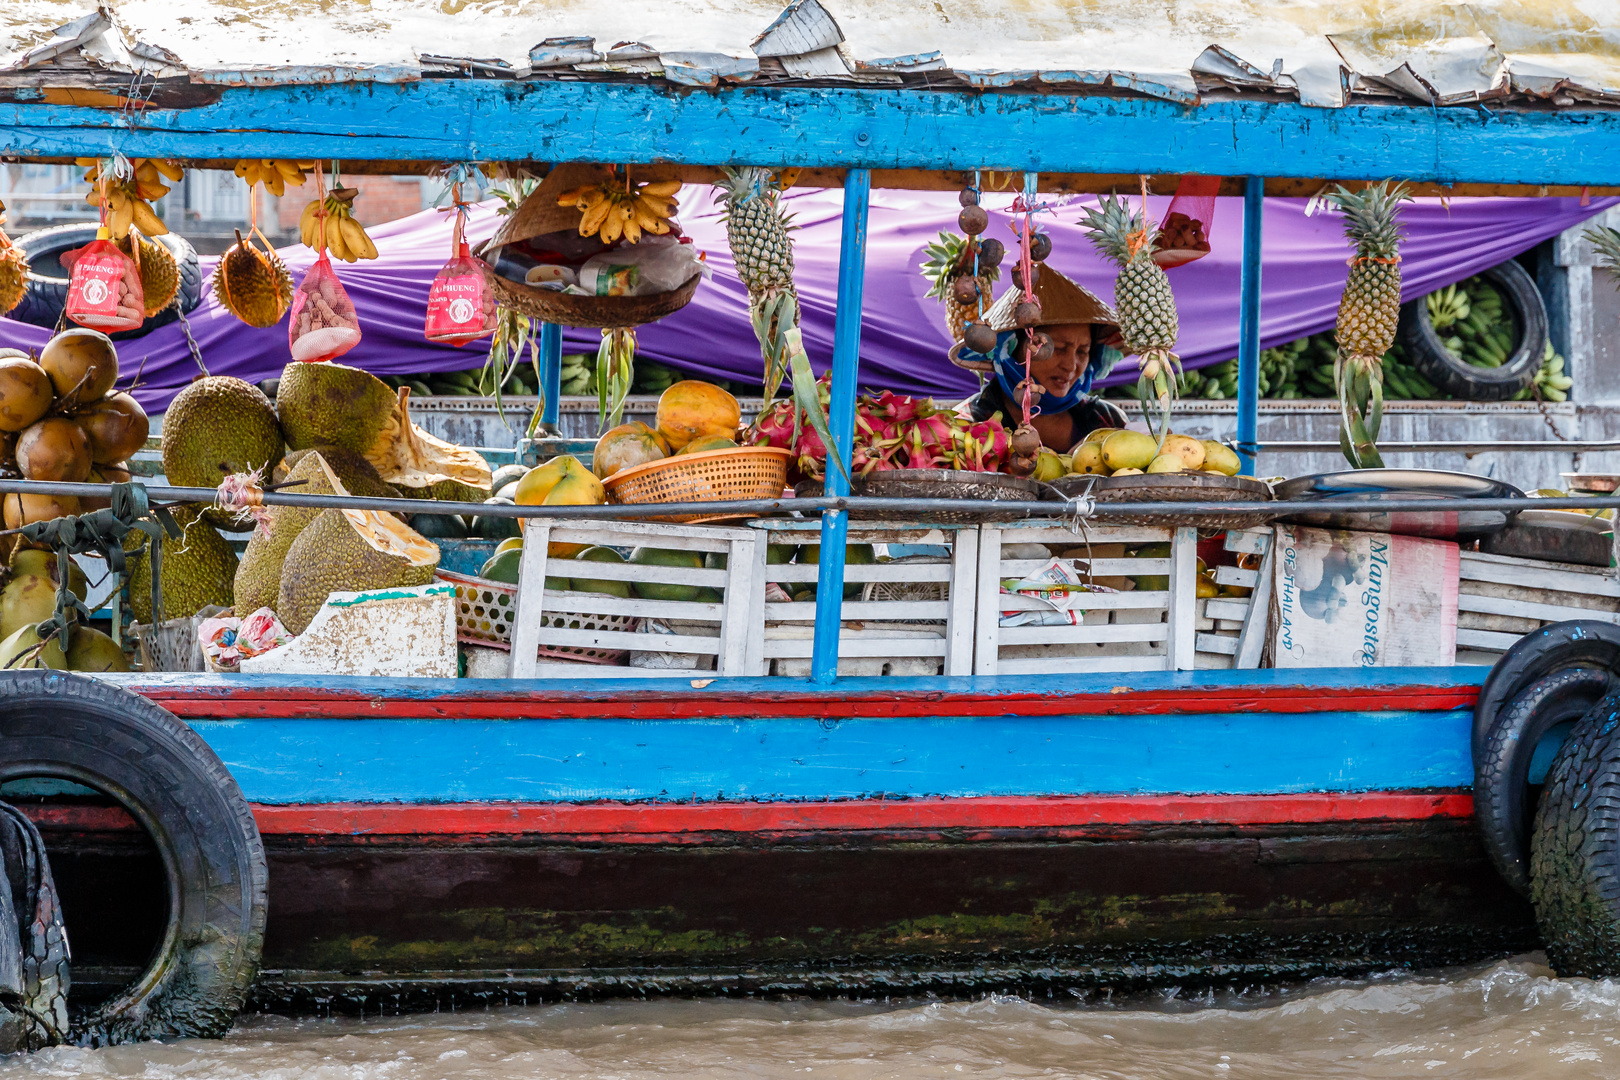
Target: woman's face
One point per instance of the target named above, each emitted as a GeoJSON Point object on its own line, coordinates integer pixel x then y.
{"type": "Point", "coordinates": [1071, 350]}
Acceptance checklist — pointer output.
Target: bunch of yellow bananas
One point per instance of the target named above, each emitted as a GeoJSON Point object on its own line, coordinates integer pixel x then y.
{"type": "Point", "coordinates": [628, 210]}
{"type": "Point", "coordinates": [129, 201]}
{"type": "Point", "coordinates": [276, 176]}
{"type": "Point", "coordinates": [345, 239]}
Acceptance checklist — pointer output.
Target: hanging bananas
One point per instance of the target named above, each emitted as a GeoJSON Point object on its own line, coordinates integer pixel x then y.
{"type": "Point", "coordinates": [129, 199]}
{"type": "Point", "coordinates": [612, 210]}
{"type": "Point", "coordinates": [345, 238]}
{"type": "Point", "coordinates": [276, 175]}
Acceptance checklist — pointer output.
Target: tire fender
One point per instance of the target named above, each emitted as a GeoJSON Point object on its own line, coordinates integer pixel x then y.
{"type": "Point", "coordinates": [1576, 643]}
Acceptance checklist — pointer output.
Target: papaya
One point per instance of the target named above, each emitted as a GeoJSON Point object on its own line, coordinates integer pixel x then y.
{"type": "Point", "coordinates": [692, 409]}
{"type": "Point", "coordinates": [625, 447]}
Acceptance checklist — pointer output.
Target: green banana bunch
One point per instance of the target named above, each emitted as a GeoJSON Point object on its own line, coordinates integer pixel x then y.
{"type": "Point", "coordinates": [1446, 307]}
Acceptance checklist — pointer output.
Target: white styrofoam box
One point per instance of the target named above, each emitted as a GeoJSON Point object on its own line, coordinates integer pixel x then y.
{"type": "Point", "coordinates": [541, 617]}
{"type": "Point", "coordinates": [387, 633]}
{"type": "Point", "coordinates": [1231, 630]}
{"type": "Point", "coordinates": [914, 615]}
{"type": "Point", "coordinates": [1128, 630]}
{"type": "Point", "coordinates": [1500, 598]}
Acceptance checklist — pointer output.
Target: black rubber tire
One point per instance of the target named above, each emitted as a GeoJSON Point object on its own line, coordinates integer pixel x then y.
{"type": "Point", "coordinates": [1577, 643]}
{"type": "Point", "coordinates": [47, 291]}
{"type": "Point", "coordinates": [57, 724]}
{"type": "Point", "coordinates": [1458, 377]}
{"type": "Point", "coordinates": [1504, 801]}
{"type": "Point", "coordinates": [1575, 849]}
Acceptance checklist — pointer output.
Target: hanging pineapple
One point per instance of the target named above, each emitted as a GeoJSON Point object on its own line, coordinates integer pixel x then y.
{"type": "Point", "coordinates": [1146, 306]}
{"type": "Point", "coordinates": [1369, 312]}
{"type": "Point", "coordinates": [1601, 237]}
{"type": "Point", "coordinates": [757, 231]}
{"type": "Point", "coordinates": [949, 269]}
{"type": "Point", "coordinates": [13, 269]}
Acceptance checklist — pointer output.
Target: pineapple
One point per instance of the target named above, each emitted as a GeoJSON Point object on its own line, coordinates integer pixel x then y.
{"type": "Point", "coordinates": [1369, 312]}
{"type": "Point", "coordinates": [757, 230]}
{"type": "Point", "coordinates": [948, 260]}
{"type": "Point", "coordinates": [1601, 237]}
{"type": "Point", "coordinates": [1146, 306]}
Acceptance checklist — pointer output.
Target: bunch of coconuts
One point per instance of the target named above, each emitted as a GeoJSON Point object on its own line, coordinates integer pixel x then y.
{"type": "Point", "coordinates": [61, 420]}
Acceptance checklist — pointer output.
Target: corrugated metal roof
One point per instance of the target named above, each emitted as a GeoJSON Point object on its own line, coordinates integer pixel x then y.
{"type": "Point", "coordinates": [1323, 54]}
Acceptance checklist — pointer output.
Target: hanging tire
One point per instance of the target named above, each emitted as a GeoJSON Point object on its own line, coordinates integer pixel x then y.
{"type": "Point", "coordinates": [1578, 643]}
{"type": "Point", "coordinates": [46, 295]}
{"type": "Point", "coordinates": [1575, 849]}
{"type": "Point", "coordinates": [1456, 376]}
{"type": "Point", "coordinates": [1505, 791]}
{"type": "Point", "coordinates": [66, 726]}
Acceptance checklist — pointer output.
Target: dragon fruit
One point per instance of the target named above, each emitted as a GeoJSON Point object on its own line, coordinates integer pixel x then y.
{"type": "Point", "coordinates": [982, 447]}
{"type": "Point", "coordinates": [774, 427]}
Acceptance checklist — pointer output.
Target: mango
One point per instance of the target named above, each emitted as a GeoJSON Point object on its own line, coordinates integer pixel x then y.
{"type": "Point", "coordinates": [1126, 472]}
{"type": "Point", "coordinates": [1098, 434]}
{"type": "Point", "coordinates": [1206, 587]}
{"type": "Point", "coordinates": [1049, 465]}
{"type": "Point", "coordinates": [1187, 448]}
{"type": "Point", "coordinates": [1167, 463]}
{"type": "Point", "coordinates": [1128, 450]}
{"type": "Point", "coordinates": [1087, 459]}
{"type": "Point", "coordinates": [1221, 458]}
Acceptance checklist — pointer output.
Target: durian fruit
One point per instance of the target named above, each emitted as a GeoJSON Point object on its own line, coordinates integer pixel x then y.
{"type": "Point", "coordinates": [217, 426]}
{"type": "Point", "coordinates": [349, 551]}
{"type": "Point", "coordinates": [160, 274]}
{"type": "Point", "coordinates": [258, 575]}
{"type": "Point", "coordinates": [199, 569]}
{"type": "Point", "coordinates": [336, 405]}
{"type": "Point", "coordinates": [13, 270]}
{"type": "Point", "coordinates": [253, 285]}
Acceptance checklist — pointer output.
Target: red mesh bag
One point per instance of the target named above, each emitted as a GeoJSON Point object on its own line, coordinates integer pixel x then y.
{"type": "Point", "coordinates": [323, 325]}
{"type": "Point", "coordinates": [104, 290]}
{"type": "Point", "coordinates": [1188, 222]}
{"type": "Point", "coordinates": [461, 303]}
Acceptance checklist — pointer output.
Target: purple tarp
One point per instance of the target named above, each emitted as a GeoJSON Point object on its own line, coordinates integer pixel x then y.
{"type": "Point", "coordinates": [903, 341]}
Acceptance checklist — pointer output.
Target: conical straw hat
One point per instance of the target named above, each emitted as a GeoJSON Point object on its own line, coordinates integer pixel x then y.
{"type": "Point", "coordinates": [539, 214]}
{"type": "Point", "coordinates": [1063, 303]}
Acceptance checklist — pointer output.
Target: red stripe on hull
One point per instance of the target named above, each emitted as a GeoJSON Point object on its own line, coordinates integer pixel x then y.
{"type": "Point", "coordinates": [305, 703]}
{"type": "Point", "coordinates": [670, 822]}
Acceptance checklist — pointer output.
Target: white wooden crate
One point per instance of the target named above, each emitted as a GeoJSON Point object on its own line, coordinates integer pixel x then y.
{"type": "Point", "coordinates": [542, 614]}
{"type": "Point", "coordinates": [1129, 630]}
{"type": "Point", "coordinates": [914, 615]}
{"type": "Point", "coordinates": [1501, 598]}
{"type": "Point", "coordinates": [1231, 631]}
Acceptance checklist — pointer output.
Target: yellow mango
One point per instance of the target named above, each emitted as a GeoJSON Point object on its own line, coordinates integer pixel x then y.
{"type": "Point", "coordinates": [1187, 448]}
{"type": "Point", "coordinates": [1128, 450]}
{"type": "Point", "coordinates": [1167, 463]}
{"type": "Point", "coordinates": [1220, 458]}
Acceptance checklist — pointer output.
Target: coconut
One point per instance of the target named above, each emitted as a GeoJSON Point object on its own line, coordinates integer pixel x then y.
{"type": "Point", "coordinates": [25, 391]}
{"type": "Point", "coordinates": [105, 474]}
{"type": "Point", "coordinates": [54, 449]}
{"type": "Point", "coordinates": [82, 364]}
{"type": "Point", "coordinates": [116, 427]}
{"type": "Point", "coordinates": [20, 510]}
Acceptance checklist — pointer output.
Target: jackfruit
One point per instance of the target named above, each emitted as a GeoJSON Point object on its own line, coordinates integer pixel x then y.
{"type": "Point", "coordinates": [350, 551]}
{"type": "Point", "coordinates": [218, 426]}
{"type": "Point", "coordinates": [258, 575]}
{"type": "Point", "coordinates": [199, 569]}
{"type": "Point", "coordinates": [359, 476]}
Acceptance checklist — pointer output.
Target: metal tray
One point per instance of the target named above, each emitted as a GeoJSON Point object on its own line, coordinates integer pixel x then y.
{"type": "Point", "coordinates": [1459, 524]}
{"type": "Point", "coordinates": [1554, 536]}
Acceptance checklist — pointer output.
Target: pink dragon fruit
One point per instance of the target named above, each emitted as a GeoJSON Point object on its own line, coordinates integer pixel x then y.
{"type": "Point", "coordinates": [810, 453]}
{"type": "Point", "coordinates": [982, 447]}
{"type": "Point", "coordinates": [774, 427]}
{"type": "Point", "coordinates": [870, 459]}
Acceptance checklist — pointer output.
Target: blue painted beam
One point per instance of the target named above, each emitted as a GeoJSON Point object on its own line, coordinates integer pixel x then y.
{"type": "Point", "coordinates": [442, 760]}
{"type": "Point", "coordinates": [841, 421]}
{"type": "Point", "coordinates": [461, 120]}
{"type": "Point", "coordinates": [1248, 399]}
{"type": "Point", "coordinates": [551, 372]}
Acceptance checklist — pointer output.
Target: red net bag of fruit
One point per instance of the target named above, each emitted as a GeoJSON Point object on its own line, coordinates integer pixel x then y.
{"type": "Point", "coordinates": [323, 324]}
{"type": "Point", "coordinates": [104, 289]}
{"type": "Point", "coordinates": [1188, 221]}
{"type": "Point", "coordinates": [461, 304]}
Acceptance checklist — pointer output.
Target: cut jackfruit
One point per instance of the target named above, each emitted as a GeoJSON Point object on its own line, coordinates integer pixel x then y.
{"type": "Point", "coordinates": [350, 551]}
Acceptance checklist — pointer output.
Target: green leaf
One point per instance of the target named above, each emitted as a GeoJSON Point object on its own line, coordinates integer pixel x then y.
{"type": "Point", "coordinates": [806, 398]}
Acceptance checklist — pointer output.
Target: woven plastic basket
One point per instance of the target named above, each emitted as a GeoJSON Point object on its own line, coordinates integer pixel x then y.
{"type": "Point", "coordinates": [485, 611]}
{"type": "Point", "coordinates": [749, 472]}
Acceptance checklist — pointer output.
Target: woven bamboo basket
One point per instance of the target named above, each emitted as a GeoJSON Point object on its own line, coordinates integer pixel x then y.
{"type": "Point", "coordinates": [1171, 487]}
{"type": "Point", "coordinates": [747, 472]}
{"type": "Point", "coordinates": [602, 312]}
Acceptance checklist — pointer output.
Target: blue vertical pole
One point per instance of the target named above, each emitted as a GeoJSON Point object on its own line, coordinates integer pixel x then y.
{"type": "Point", "coordinates": [1248, 399]}
{"type": "Point", "coordinates": [841, 420]}
{"type": "Point", "coordinates": [550, 371]}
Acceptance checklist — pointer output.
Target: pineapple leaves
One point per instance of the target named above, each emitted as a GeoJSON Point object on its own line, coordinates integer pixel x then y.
{"type": "Point", "coordinates": [1607, 243]}
{"type": "Point", "coordinates": [807, 400]}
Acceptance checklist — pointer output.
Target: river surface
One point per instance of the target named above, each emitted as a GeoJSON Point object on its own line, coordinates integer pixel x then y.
{"type": "Point", "coordinates": [1509, 1019]}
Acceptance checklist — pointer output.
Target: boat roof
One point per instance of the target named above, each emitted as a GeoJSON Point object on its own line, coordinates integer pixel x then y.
{"type": "Point", "coordinates": [1549, 53]}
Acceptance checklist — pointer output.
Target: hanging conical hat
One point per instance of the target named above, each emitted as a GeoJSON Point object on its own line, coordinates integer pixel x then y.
{"type": "Point", "coordinates": [1063, 303]}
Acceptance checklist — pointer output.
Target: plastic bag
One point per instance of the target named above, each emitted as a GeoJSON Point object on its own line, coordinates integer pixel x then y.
{"type": "Point", "coordinates": [1188, 221]}
{"type": "Point", "coordinates": [104, 291]}
{"type": "Point", "coordinates": [658, 264]}
{"type": "Point", "coordinates": [461, 303]}
{"type": "Point", "coordinates": [323, 324]}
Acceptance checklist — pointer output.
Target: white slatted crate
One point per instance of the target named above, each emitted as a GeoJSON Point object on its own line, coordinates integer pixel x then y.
{"type": "Point", "coordinates": [707, 637]}
{"type": "Point", "coordinates": [914, 614]}
{"type": "Point", "coordinates": [1133, 629]}
{"type": "Point", "coordinates": [1228, 633]}
{"type": "Point", "coordinates": [1500, 598]}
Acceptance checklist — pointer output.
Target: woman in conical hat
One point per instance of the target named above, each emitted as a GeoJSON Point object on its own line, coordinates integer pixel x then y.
{"type": "Point", "coordinates": [1083, 331]}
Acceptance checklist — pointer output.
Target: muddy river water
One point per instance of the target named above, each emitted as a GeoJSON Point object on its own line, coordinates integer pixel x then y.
{"type": "Point", "coordinates": [1508, 1019]}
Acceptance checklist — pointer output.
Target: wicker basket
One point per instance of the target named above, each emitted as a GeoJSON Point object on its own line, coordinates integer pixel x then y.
{"type": "Point", "coordinates": [603, 312]}
{"type": "Point", "coordinates": [485, 611]}
{"type": "Point", "coordinates": [937, 484]}
{"type": "Point", "coordinates": [1170, 487]}
{"type": "Point", "coordinates": [747, 472]}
